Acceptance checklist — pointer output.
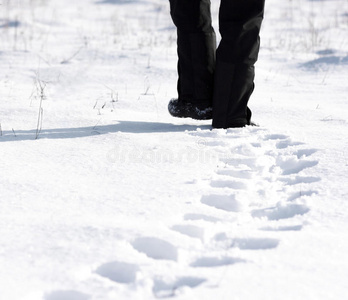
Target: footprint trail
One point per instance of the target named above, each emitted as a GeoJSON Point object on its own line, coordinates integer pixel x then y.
{"type": "Point", "coordinates": [259, 191]}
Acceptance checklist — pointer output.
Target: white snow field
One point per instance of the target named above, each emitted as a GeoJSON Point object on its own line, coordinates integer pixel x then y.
{"type": "Point", "coordinates": [105, 196]}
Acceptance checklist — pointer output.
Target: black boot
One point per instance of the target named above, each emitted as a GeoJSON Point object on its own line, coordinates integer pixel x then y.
{"type": "Point", "coordinates": [183, 109]}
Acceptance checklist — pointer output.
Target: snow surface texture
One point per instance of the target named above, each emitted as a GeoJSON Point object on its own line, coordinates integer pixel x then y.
{"type": "Point", "coordinates": [105, 196]}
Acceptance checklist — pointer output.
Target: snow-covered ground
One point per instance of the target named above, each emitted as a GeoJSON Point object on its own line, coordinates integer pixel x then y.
{"type": "Point", "coordinates": [105, 196]}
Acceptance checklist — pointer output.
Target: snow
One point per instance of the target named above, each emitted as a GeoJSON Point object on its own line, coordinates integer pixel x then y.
{"type": "Point", "coordinates": [115, 199]}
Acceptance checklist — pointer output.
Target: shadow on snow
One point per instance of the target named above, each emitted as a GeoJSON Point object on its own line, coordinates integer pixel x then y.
{"type": "Point", "coordinates": [79, 132]}
{"type": "Point", "coordinates": [10, 24]}
{"type": "Point", "coordinates": [118, 2]}
{"type": "Point", "coordinates": [325, 61]}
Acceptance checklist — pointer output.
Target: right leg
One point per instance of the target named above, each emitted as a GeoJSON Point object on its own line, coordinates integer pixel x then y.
{"type": "Point", "coordinates": [240, 23]}
{"type": "Point", "coordinates": [196, 49]}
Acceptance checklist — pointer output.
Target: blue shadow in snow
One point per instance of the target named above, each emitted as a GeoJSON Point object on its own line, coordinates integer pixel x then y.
{"type": "Point", "coordinates": [10, 24]}
{"type": "Point", "coordinates": [67, 295]}
{"type": "Point", "coordinates": [326, 52]}
{"type": "Point", "coordinates": [118, 2]}
{"type": "Point", "coordinates": [327, 60]}
{"type": "Point", "coordinates": [80, 132]}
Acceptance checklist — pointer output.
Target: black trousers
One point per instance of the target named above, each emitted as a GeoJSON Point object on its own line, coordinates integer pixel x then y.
{"type": "Point", "coordinates": [222, 76]}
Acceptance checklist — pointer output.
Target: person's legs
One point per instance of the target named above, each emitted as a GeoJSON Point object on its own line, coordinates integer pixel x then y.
{"type": "Point", "coordinates": [240, 22]}
{"type": "Point", "coordinates": [196, 49]}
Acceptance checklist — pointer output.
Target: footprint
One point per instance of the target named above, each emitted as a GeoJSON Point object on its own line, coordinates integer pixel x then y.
{"type": "Point", "coordinates": [212, 262]}
{"type": "Point", "coordinates": [275, 137]}
{"type": "Point", "coordinates": [237, 173]}
{"type": "Point", "coordinates": [165, 290]}
{"type": "Point", "coordinates": [220, 237]}
{"type": "Point", "coordinates": [281, 212]}
{"type": "Point", "coordinates": [243, 161]}
{"type": "Point", "coordinates": [302, 194]}
{"type": "Point", "coordinates": [293, 166]}
{"type": "Point", "coordinates": [195, 217]}
{"type": "Point", "coordinates": [255, 243]}
{"type": "Point", "coordinates": [287, 143]}
{"type": "Point", "coordinates": [119, 271]}
{"type": "Point", "coordinates": [190, 230]}
{"type": "Point", "coordinates": [156, 248]}
{"type": "Point", "coordinates": [244, 149]}
{"type": "Point", "coordinates": [300, 179]}
{"type": "Point", "coordinates": [305, 152]}
{"type": "Point", "coordinates": [224, 202]}
{"type": "Point", "coordinates": [283, 228]}
{"type": "Point", "coordinates": [232, 184]}
{"type": "Point", "coordinates": [67, 295]}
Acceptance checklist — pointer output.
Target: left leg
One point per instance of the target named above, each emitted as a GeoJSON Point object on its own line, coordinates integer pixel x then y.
{"type": "Point", "coordinates": [196, 56]}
